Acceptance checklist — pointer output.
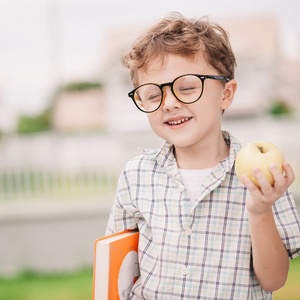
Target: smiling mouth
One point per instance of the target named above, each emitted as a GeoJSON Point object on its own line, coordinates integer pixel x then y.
{"type": "Point", "coordinates": [177, 122]}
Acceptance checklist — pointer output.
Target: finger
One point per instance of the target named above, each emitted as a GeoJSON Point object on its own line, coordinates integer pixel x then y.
{"type": "Point", "coordinates": [253, 189]}
{"type": "Point", "coordinates": [289, 173]}
{"type": "Point", "coordinates": [280, 184]}
{"type": "Point", "coordinates": [262, 180]}
{"type": "Point", "coordinates": [280, 180]}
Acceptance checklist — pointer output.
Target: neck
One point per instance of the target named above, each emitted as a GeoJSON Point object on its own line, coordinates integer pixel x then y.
{"type": "Point", "coordinates": [202, 156]}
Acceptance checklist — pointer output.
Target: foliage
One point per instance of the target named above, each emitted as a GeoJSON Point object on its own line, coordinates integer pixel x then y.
{"type": "Point", "coordinates": [30, 286]}
{"type": "Point", "coordinates": [33, 124]}
{"type": "Point", "coordinates": [279, 108]}
{"type": "Point", "coordinates": [81, 86]}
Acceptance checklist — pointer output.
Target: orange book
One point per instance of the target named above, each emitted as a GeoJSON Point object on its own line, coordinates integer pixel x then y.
{"type": "Point", "coordinates": [116, 265]}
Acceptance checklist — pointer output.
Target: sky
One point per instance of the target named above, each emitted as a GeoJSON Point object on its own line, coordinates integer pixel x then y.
{"type": "Point", "coordinates": [46, 42]}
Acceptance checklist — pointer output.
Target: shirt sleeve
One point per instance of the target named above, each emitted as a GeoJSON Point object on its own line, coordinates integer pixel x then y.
{"type": "Point", "coordinates": [124, 213]}
{"type": "Point", "coordinates": [287, 221]}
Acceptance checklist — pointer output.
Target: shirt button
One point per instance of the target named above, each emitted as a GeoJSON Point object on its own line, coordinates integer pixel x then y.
{"type": "Point", "coordinates": [188, 231]}
{"type": "Point", "coordinates": [184, 271]}
{"type": "Point", "coordinates": [181, 188]}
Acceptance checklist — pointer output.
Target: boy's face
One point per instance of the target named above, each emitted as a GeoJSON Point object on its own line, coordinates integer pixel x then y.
{"type": "Point", "coordinates": [197, 123]}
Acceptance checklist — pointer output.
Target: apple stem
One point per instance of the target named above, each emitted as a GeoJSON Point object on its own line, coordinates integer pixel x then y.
{"type": "Point", "coordinates": [261, 149]}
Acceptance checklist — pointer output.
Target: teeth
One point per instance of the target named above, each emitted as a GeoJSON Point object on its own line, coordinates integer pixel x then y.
{"type": "Point", "coordinates": [178, 121]}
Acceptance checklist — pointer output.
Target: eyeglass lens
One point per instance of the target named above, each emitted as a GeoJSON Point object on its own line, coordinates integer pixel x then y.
{"type": "Point", "coordinates": [187, 88]}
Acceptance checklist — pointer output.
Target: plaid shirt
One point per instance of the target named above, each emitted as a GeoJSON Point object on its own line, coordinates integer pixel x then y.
{"type": "Point", "coordinates": [196, 250]}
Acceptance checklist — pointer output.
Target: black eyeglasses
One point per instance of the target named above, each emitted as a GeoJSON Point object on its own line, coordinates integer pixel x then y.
{"type": "Point", "coordinates": [186, 88]}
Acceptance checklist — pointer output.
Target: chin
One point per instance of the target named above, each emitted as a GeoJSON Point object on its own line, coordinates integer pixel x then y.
{"type": "Point", "coordinates": [181, 143]}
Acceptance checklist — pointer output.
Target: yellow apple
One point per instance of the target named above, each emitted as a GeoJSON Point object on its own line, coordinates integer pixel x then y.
{"type": "Point", "coordinates": [258, 155]}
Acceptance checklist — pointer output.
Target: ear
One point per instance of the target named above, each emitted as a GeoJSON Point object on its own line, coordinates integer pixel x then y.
{"type": "Point", "coordinates": [228, 95]}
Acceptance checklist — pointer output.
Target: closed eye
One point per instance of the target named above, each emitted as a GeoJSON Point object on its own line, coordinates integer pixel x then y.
{"type": "Point", "coordinates": [187, 89]}
{"type": "Point", "coordinates": [154, 97]}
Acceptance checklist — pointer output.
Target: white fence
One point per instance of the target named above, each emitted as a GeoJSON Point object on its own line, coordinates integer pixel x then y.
{"type": "Point", "coordinates": [65, 166]}
{"type": "Point", "coordinates": [34, 183]}
{"type": "Point", "coordinates": [59, 167]}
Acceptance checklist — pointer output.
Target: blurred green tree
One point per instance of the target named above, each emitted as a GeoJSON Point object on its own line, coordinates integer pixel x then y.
{"type": "Point", "coordinates": [33, 124]}
{"type": "Point", "coordinates": [280, 108]}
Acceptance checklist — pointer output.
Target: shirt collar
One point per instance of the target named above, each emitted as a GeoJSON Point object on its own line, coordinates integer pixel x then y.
{"type": "Point", "coordinates": [234, 147]}
{"type": "Point", "coordinates": [165, 155]}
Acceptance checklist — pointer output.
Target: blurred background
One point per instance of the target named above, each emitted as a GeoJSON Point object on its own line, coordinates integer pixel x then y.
{"type": "Point", "coordinates": [67, 126]}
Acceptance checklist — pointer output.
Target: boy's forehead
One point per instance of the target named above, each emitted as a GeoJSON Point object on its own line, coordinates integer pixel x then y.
{"type": "Point", "coordinates": [159, 63]}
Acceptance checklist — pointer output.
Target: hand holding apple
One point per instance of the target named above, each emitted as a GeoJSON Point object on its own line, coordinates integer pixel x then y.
{"type": "Point", "coordinates": [258, 155]}
{"type": "Point", "coordinates": [261, 168]}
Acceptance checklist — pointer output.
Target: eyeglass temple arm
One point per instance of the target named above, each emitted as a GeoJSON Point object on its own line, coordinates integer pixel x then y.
{"type": "Point", "coordinates": [221, 78]}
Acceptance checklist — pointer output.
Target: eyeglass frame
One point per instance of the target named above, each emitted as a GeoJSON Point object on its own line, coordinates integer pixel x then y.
{"type": "Point", "coordinates": [171, 85]}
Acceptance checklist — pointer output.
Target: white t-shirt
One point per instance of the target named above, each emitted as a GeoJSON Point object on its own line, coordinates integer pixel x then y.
{"type": "Point", "coordinates": [192, 180]}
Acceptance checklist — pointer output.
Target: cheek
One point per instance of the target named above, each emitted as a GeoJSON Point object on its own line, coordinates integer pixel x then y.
{"type": "Point", "coordinates": [211, 101]}
{"type": "Point", "coordinates": [207, 110]}
{"type": "Point", "coordinates": [156, 125]}
{"type": "Point", "coordinates": [153, 121]}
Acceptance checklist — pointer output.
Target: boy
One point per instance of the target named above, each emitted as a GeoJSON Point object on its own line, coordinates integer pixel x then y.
{"type": "Point", "coordinates": [203, 234]}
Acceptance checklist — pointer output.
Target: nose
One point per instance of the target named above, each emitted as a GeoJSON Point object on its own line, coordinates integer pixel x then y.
{"type": "Point", "coordinates": [169, 100]}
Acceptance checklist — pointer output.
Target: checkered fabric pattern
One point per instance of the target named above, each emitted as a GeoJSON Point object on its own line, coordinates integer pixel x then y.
{"type": "Point", "coordinates": [196, 250]}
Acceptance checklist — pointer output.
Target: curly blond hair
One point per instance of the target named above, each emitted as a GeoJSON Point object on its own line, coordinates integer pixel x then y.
{"type": "Point", "coordinates": [177, 35]}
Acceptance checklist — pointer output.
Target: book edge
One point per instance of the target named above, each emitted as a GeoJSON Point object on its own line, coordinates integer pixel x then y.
{"type": "Point", "coordinates": [113, 237]}
{"type": "Point", "coordinates": [101, 272]}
